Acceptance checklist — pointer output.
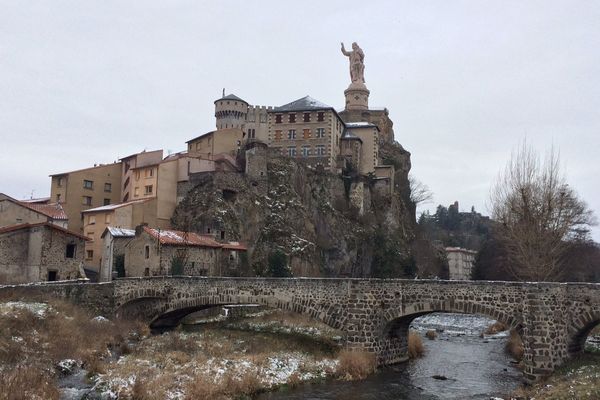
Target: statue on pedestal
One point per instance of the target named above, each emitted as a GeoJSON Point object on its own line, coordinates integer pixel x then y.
{"type": "Point", "coordinates": [357, 63]}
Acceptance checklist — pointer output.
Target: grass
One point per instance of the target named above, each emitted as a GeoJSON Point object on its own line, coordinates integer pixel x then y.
{"type": "Point", "coordinates": [355, 365]}
{"type": "Point", "coordinates": [415, 345]}
{"type": "Point", "coordinates": [33, 342]}
{"type": "Point", "coordinates": [514, 346]}
{"type": "Point", "coordinates": [578, 379]}
{"type": "Point", "coordinates": [495, 328]}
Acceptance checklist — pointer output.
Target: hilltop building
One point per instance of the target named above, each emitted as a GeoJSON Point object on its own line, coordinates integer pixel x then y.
{"type": "Point", "coordinates": [460, 263]}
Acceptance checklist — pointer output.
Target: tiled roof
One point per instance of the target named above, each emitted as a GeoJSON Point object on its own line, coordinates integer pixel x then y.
{"type": "Point", "coordinates": [111, 207]}
{"type": "Point", "coordinates": [234, 246]}
{"type": "Point", "coordinates": [171, 237]}
{"type": "Point", "coordinates": [119, 232]}
{"type": "Point", "coordinates": [180, 238]}
{"type": "Point", "coordinates": [52, 210]}
{"type": "Point", "coordinates": [38, 200]}
{"type": "Point", "coordinates": [306, 103]}
{"type": "Point", "coordinates": [48, 224]}
{"type": "Point", "coordinates": [231, 97]}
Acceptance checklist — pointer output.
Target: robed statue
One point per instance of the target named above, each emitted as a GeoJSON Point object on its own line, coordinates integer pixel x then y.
{"type": "Point", "coordinates": [357, 63]}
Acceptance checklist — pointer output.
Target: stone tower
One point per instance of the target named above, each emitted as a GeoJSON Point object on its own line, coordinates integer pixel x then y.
{"type": "Point", "coordinates": [230, 112]}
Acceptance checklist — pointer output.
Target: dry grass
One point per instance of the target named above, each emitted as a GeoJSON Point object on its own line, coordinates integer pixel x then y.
{"type": "Point", "coordinates": [26, 383]}
{"type": "Point", "coordinates": [355, 365]}
{"type": "Point", "coordinates": [495, 328]}
{"type": "Point", "coordinates": [514, 346]}
{"type": "Point", "coordinates": [415, 345]}
{"type": "Point", "coordinates": [431, 334]}
{"type": "Point", "coordinates": [578, 379]}
{"type": "Point", "coordinates": [31, 346]}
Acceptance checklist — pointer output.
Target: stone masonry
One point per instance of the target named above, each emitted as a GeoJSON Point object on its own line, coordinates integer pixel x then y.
{"type": "Point", "coordinates": [553, 319]}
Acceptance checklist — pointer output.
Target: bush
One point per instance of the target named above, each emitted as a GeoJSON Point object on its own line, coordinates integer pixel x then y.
{"type": "Point", "coordinates": [415, 346]}
{"type": "Point", "coordinates": [278, 264]}
{"type": "Point", "coordinates": [27, 382]}
{"type": "Point", "coordinates": [495, 328]}
{"type": "Point", "coordinates": [355, 365]}
{"type": "Point", "coordinates": [514, 346]}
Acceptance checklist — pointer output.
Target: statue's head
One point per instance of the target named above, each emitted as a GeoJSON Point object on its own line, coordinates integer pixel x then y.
{"type": "Point", "coordinates": [354, 46]}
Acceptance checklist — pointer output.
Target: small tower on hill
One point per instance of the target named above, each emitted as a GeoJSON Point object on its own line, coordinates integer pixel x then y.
{"type": "Point", "coordinates": [230, 112]}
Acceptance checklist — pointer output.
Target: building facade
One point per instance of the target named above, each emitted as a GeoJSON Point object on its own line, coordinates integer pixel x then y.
{"type": "Point", "coordinates": [14, 212]}
{"type": "Point", "coordinates": [460, 263]}
{"type": "Point", "coordinates": [87, 188]}
{"type": "Point", "coordinates": [40, 252]}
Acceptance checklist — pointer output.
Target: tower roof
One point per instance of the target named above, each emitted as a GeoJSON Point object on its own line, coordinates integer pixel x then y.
{"type": "Point", "coordinates": [231, 97]}
{"type": "Point", "coordinates": [304, 104]}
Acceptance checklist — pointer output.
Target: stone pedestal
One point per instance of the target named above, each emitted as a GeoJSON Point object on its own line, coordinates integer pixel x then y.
{"type": "Point", "coordinates": [357, 96]}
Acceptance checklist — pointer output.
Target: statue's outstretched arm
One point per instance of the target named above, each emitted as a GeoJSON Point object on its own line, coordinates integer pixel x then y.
{"type": "Point", "coordinates": [344, 52]}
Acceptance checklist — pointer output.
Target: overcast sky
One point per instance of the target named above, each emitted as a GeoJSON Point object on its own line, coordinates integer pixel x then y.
{"type": "Point", "coordinates": [84, 82]}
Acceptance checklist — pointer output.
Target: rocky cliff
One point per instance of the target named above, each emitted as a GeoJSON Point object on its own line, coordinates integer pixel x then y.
{"type": "Point", "coordinates": [325, 224]}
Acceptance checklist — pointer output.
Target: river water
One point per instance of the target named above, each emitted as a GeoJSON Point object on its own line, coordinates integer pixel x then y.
{"type": "Point", "coordinates": [475, 368]}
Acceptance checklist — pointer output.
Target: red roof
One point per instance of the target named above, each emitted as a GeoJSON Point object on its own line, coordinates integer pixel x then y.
{"type": "Point", "coordinates": [174, 238]}
{"type": "Point", "coordinates": [13, 228]}
{"type": "Point", "coordinates": [170, 237]}
{"type": "Point", "coordinates": [52, 210]}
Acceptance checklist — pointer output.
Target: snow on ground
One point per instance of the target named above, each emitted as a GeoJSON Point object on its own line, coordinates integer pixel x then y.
{"type": "Point", "coordinates": [39, 309]}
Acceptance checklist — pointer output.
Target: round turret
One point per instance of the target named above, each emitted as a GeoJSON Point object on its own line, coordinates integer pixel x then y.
{"type": "Point", "coordinates": [230, 112]}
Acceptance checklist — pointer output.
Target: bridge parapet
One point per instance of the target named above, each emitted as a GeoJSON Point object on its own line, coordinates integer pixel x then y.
{"type": "Point", "coordinates": [553, 319]}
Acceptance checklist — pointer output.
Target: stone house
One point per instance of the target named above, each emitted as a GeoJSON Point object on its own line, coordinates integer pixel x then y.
{"type": "Point", "coordinates": [114, 241]}
{"type": "Point", "coordinates": [153, 252]}
{"type": "Point", "coordinates": [40, 252]}
{"type": "Point", "coordinates": [15, 212]}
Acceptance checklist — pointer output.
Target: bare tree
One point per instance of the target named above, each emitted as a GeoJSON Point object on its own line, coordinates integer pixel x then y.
{"type": "Point", "coordinates": [540, 216]}
{"type": "Point", "coordinates": [419, 192]}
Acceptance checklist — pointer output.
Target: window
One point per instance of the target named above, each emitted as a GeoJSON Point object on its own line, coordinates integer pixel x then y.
{"type": "Point", "coordinates": [57, 197]}
{"type": "Point", "coordinates": [91, 220]}
{"type": "Point", "coordinates": [292, 134]}
{"type": "Point", "coordinates": [146, 271]}
{"type": "Point", "coordinates": [231, 256]}
{"type": "Point", "coordinates": [263, 118]}
{"type": "Point", "coordinates": [136, 192]}
{"type": "Point", "coordinates": [88, 184]}
{"type": "Point", "coordinates": [278, 119]}
{"type": "Point", "coordinates": [291, 151]}
{"type": "Point", "coordinates": [306, 133]}
{"type": "Point", "coordinates": [137, 175]}
{"type": "Point", "coordinates": [52, 275]}
{"type": "Point", "coordinates": [305, 151]}
{"type": "Point", "coordinates": [148, 189]}
{"type": "Point", "coordinates": [89, 254]}
{"type": "Point", "coordinates": [189, 167]}
{"type": "Point", "coordinates": [87, 200]}
{"type": "Point", "coordinates": [320, 116]}
{"type": "Point", "coordinates": [222, 235]}
{"type": "Point", "coordinates": [149, 173]}
{"type": "Point", "coordinates": [292, 118]}
{"type": "Point", "coordinates": [147, 252]}
{"type": "Point", "coordinates": [252, 133]}
{"type": "Point", "coordinates": [320, 150]}
{"type": "Point", "coordinates": [320, 133]}
{"type": "Point", "coordinates": [106, 202]}
{"type": "Point", "coordinates": [59, 182]}
{"type": "Point", "coordinates": [306, 117]}
{"type": "Point", "coordinates": [70, 253]}
{"type": "Point", "coordinates": [278, 135]}
{"type": "Point", "coordinates": [108, 187]}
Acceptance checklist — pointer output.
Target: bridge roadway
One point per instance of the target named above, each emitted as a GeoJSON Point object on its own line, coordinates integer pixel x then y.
{"type": "Point", "coordinates": [553, 319]}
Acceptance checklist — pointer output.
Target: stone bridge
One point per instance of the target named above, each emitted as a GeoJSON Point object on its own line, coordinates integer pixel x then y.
{"type": "Point", "coordinates": [553, 319]}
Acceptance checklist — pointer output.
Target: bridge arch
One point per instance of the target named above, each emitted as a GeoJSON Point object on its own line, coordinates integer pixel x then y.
{"type": "Point", "coordinates": [396, 322]}
{"type": "Point", "coordinates": [579, 331]}
{"type": "Point", "coordinates": [166, 311]}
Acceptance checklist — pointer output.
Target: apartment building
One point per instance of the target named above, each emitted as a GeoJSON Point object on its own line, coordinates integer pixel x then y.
{"type": "Point", "coordinates": [86, 188]}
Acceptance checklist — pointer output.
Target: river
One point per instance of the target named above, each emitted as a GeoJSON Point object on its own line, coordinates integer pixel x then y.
{"type": "Point", "coordinates": [475, 368]}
